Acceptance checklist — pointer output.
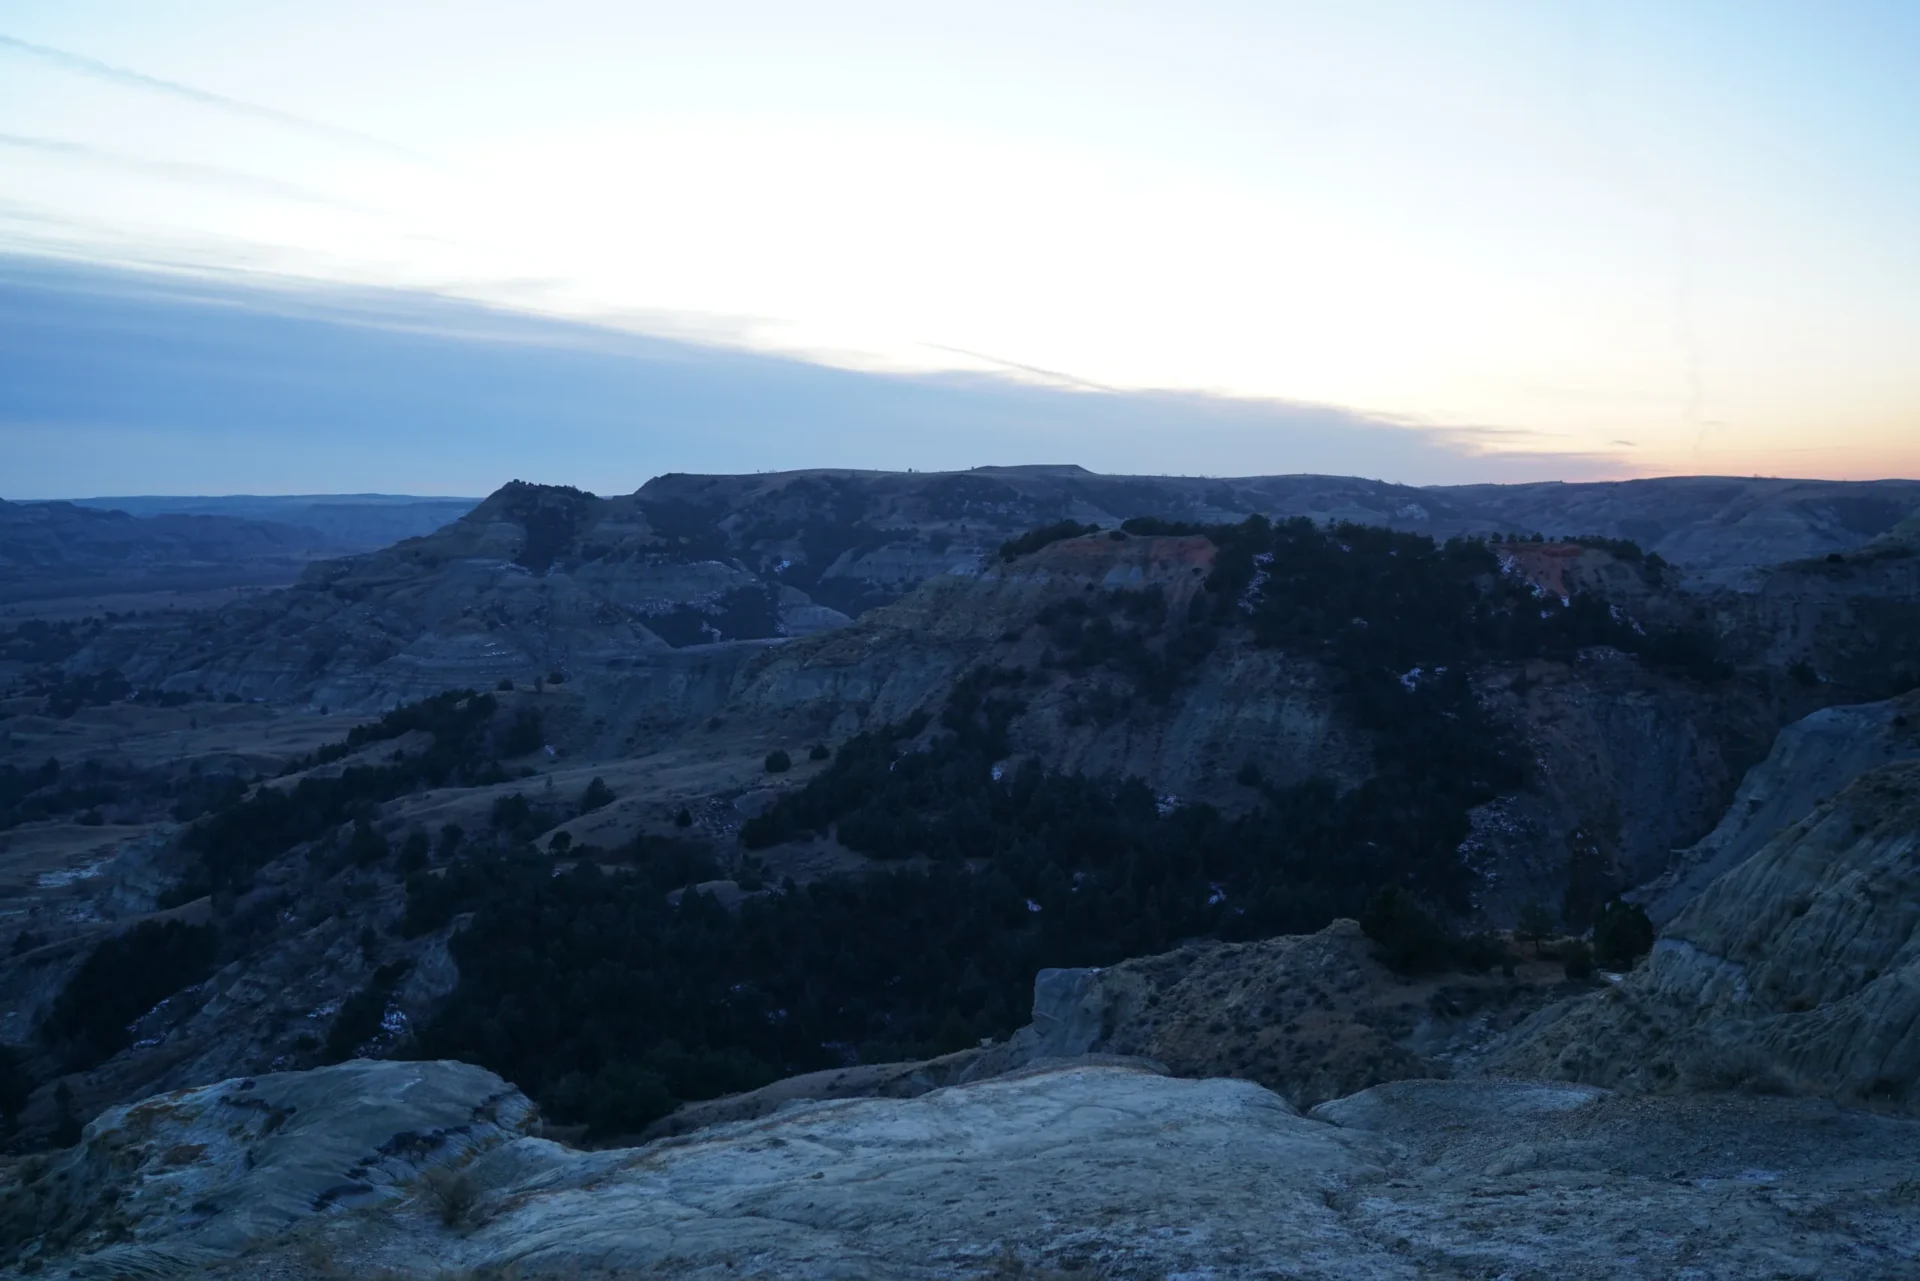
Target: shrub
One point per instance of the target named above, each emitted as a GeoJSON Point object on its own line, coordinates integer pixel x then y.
{"type": "Point", "coordinates": [359, 1019]}
{"type": "Point", "coordinates": [597, 796]}
{"type": "Point", "coordinates": [1409, 940]}
{"type": "Point", "coordinates": [523, 734]}
{"type": "Point", "coordinates": [414, 853]}
{"type": "Point", "coordinates": [1576, 958]}
{"type": "Point", "coordinates": [366, 847]}
{"type": "Point", "coordinates": [512, 814]}
{"type": "Point", "coordinates": [778, 762]}
{"type": "Point", "coordinates": [1536, 925]}
{"type": "Point", "coordinates": [818, 752]}
{"type": "Point", "coordinates": [15, 1086]}
{"type": "Point", "coordinates": [454, 1194]}
{"type": "Point", "coordinates": [684, 818]}
{"type": "Point", "coordinates": [1621, 935]}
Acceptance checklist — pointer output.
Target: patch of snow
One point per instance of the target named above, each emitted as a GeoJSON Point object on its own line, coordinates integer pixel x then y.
{"type": "Point", "coordinates": [1410, 679]}
{"type": "Point", "coordinates": [1217, 895]}
{"type": "Point", "coordinates": [70, 875]}
{"type": "Point", "coordinates": [1166, 805]}
{"type": "Point", "coordinates": [1032, 906]}
{"type": "Point", "coordinates": [999, 770]}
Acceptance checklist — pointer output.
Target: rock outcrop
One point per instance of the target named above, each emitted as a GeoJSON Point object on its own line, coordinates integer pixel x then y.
{"type": "Point", "coordinates": [1312, 1017]}
{"type": "Point", "coordinates": [428, 1170]}
{"type": "Point", "coordinates": [1812, 760]}
{"type": "Point", "coordinates": [1798, 971]}
{"type": "Point", "coordinates": [181, 1181]}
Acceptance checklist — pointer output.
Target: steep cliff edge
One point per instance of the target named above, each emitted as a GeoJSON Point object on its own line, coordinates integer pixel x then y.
{"type": "Point", "coordinates": [1797, 971]}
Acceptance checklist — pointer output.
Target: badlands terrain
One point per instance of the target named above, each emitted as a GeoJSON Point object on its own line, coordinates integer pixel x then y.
{"type": "Point", "coordinates": [1019, 872]}
{"type": "Point", "coordinates": [125, 555]}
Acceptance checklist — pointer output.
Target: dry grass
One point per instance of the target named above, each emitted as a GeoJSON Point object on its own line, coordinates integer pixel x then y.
{"type": "Point", "coordinates": [454, 1196]}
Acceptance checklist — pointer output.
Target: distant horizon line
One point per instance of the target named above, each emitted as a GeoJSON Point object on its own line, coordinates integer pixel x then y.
{"type": "Point", "coordinates": [347, 496]}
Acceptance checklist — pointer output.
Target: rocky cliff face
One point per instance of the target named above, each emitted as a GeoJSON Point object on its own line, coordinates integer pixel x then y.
{"type": "Point", "coordinates": [1798, 970]}
{"type": "Point", "coordinates": [418, 1170]}
{"type": "Point", "coordinates": [1243, 704]}
{"type": "Point", "coordinates": [1811, 761]}
{"type": "Point", "coordinates": [1844, 623]}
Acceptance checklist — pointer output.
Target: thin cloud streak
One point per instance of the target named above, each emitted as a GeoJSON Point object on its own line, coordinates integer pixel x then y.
{"type": "Point", "coordinates": [178, 171]}
{"type": "Point", "coordinates": [83, 65]}
{"type": "Point", "coordinates": [1048, 375]}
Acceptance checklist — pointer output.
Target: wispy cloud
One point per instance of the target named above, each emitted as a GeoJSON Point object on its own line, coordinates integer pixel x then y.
{"type": "Point", "coordinates": [1045, 375]}
{"type": "Point", "coordinates": [177, 170]}
{"type": "Point", "coordinates": [266, 388]}
{"type": "Point", "coordinates": [83, 65]}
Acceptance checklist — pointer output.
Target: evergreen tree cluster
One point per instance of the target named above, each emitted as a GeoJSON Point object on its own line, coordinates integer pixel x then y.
{"type": "Point", "coordinates": [232, 843]}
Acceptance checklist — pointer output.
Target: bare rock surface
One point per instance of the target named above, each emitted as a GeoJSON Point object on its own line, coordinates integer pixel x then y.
{"type": "Point", "coordinates": [426, 1170]}
{"type": "Point", "coordinates": [173, 1183]}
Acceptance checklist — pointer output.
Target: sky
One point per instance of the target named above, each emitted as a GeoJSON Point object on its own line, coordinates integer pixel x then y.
{"type": "Point", "coordinates": [1428, 242]}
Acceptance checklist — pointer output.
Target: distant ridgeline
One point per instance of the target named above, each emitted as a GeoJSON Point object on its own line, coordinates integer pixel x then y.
{"type": "Point", "coordinates": [610, 1003]}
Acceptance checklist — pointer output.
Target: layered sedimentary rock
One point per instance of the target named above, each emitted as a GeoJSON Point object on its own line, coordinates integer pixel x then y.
{"type": "Point", "coordinates": [1798, 970]}
{"type": "Point", "coordinates": [1812, 760]}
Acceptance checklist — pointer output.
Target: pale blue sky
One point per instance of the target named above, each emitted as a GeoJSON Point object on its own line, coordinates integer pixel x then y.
{"type": "Point", "coordinates": [1644, 237]}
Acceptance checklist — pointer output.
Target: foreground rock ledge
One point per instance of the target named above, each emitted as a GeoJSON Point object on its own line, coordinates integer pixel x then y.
{"type": "Point", "coordinates": [427, 1170]}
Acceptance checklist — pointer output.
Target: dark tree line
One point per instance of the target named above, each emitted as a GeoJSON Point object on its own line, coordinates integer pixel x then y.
{"type": "Point", "coordinates": [231, 844]}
